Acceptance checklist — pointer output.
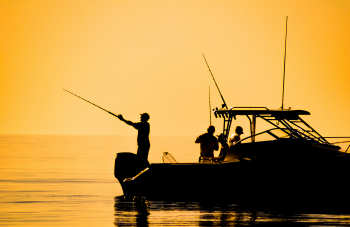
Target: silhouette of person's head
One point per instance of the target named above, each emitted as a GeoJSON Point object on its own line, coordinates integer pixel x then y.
{"type": "Point", "coordinates": [239, 130]}
{"type": "Point", "coordinates": [144, 117]}
{"type": "Point", "coordinates": [211, 129]}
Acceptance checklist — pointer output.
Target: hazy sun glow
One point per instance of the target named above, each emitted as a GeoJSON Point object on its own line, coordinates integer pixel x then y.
{"type": "Point", "coordinates": [132, 57]}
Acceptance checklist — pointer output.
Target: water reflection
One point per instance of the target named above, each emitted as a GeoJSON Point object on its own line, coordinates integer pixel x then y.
{"type": "Point", "coordinates": [129, 212]}
{"type": "Point", "coordinates": [141, 212]}
{"type": "Point", "coordinates": [178, 213]}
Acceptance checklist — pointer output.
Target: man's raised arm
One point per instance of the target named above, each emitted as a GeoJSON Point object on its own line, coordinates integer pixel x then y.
{"type": "Point", "coordinates": [122, 119]}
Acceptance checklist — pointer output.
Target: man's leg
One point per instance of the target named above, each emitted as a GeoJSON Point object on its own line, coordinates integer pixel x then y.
{"type": "Point", "coordinates": [142, 156]}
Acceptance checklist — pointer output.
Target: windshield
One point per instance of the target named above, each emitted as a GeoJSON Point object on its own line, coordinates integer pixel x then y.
{"type": "Point", "coordinates": [271, 134]}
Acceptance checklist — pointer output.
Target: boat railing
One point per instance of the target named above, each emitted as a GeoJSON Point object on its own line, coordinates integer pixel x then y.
{"type": "Point", "coordinates": [278, 133]}
{"type": "Point", "coordinates": [339, 143]}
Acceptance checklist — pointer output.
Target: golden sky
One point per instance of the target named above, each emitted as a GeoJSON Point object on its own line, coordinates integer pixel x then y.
{"type": "Point", "coordinates": [132, 57]}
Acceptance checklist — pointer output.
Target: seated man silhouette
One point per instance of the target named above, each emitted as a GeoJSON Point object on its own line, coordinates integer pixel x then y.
{"type": "Point", "coordinates": [208, 143]}
{"type": "Point", "coordinates": [234, 138]}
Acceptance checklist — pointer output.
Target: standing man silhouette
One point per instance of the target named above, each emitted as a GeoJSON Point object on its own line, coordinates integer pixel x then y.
{"type": "Point", "coordinates": [143, 143]}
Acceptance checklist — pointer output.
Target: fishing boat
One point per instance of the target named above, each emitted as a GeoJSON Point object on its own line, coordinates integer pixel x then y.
{"type": "Point", "coordinates": [291, 160]}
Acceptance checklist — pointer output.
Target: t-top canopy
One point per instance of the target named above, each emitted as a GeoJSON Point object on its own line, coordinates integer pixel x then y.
{"type": "Point", "coordinates": [261, 112]}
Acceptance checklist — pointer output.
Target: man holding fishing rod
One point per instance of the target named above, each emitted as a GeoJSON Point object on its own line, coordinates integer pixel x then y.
{"type": "Point", "coordinates": [143, 129]}
{"type": "Point", "coordinates": [143, 143]}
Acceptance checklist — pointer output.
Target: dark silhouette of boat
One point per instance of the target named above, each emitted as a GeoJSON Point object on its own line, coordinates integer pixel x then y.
{"type": "Point", "coordinates": [291, 161]}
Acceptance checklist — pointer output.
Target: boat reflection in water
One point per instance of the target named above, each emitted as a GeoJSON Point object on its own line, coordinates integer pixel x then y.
{"type": "Point", "coordinates": [141, 212]}
{"type": "Point", "coordinates": [289, 162]}
{"type": "Point", "coordinates": [131, 212]}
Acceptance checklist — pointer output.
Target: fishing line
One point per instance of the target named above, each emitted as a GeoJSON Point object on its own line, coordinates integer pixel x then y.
{"type": "Point", "coordinates": [16, 66]}
{"type": "Point", "coordinates": [58, 86]}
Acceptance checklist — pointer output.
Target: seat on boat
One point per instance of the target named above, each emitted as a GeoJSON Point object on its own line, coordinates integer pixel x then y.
{"type": "Point", "coordinates": [168, 158]}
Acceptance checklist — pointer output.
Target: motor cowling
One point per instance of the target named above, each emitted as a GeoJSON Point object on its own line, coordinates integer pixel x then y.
{"type": "Point", "coordinates": [125, 166]}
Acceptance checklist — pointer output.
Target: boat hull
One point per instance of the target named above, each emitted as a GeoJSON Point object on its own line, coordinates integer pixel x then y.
{"type": "Point", "coordinates": [257, 179]}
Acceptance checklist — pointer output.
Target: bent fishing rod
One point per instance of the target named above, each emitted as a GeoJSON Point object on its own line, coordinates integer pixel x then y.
{"type": "Point", "coordinates": [90, 103]}
{"type": "Point", "coordinates": [223, 105]}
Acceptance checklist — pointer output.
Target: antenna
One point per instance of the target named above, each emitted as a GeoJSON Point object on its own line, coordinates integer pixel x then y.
{"type": "Point", "coordinates": [223, 105]}
{"type": "Point", "coordinates": [284, 67]}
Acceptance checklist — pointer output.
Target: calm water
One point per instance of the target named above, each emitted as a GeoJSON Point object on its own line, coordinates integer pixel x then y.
{"type": "Point", "coordinates": [68, 181]}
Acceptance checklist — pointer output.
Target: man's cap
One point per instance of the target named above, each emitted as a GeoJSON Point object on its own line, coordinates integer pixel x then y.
{"type": "Point", "coordinates": [145, 115]}
{"type": "Point", "coordinates": [239, 128]}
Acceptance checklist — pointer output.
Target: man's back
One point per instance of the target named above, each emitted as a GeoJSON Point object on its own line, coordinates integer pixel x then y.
{"type": "Point", "coordinates": [208, 143]}
{"type": "Point", "coordinates": [143, 129]}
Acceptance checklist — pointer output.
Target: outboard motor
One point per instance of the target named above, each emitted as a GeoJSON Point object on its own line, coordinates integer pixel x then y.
{"type": "Point", "coordinates": [125, 167]}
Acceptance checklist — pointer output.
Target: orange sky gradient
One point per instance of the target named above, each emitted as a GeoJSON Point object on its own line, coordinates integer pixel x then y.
{"type": "Point", "coordinates": [132, 57]}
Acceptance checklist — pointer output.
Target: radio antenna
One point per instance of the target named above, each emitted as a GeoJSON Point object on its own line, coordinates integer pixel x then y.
{"type": "Point", "coordinates": [284, 67]}
{"type": "Point", "coordinates": [223, 105]}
